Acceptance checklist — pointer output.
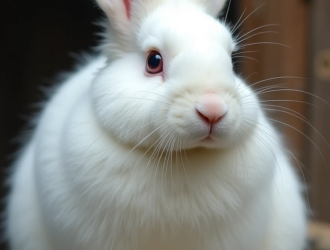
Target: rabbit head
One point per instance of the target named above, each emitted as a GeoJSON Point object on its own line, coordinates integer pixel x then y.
{"type": "Point", "coordinates": [169, 79]}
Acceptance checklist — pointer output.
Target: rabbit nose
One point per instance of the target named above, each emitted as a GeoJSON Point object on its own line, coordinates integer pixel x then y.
{"type": "Point", "coordinates": [211, 108]}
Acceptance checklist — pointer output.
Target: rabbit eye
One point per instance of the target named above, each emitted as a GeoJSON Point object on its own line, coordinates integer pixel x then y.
{"type": "Point", "coordinates": [154, 62]}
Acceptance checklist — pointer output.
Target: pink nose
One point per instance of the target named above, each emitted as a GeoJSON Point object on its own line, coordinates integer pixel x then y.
{"type": "Point", "coordinates": [211, 107]}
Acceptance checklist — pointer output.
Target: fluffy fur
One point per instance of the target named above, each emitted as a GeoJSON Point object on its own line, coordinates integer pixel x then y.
{"type": "Point", "coordinates": [118, 161]}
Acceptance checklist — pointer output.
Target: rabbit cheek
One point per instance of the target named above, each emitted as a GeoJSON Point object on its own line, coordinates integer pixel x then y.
{"type": "Point", "coordinates": [182, 119]}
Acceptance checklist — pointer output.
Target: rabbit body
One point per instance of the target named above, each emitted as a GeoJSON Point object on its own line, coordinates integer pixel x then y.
{"type": "Point", "coordinates": [117, 161]}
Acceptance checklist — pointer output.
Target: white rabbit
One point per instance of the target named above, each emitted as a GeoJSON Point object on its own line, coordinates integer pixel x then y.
{"type": "Point", "coordinates": [157, 145]}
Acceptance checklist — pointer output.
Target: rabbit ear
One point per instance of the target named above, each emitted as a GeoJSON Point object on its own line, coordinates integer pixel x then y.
{"type": "Point", "coordinates": [117, 11]}
{"type": "Point", "coordinates": [119, 16]}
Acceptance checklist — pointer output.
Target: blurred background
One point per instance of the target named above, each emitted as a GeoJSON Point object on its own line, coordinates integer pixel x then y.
{"type": "Point", "coordinates": [286, 45]}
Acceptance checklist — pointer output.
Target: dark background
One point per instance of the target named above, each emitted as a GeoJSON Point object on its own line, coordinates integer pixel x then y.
{"type": "Point", "coordinates": [39, 39]}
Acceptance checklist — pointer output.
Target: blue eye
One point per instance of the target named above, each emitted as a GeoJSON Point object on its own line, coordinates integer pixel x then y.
{"type": "Point", "coordinates": [154, 64]}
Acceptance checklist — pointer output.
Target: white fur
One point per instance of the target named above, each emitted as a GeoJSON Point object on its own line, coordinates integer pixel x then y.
{"type": "Point", "coordinates": [117, 163]}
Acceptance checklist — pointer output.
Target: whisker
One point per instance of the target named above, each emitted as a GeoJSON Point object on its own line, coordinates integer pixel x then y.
{"type": "Point", "coordinates": [300, 91]}
{"type": "Point", "coordinates": [154, 94]}
{"type": "Point", "coordinates": [300, 117]}
{"type": "Point", "coordinates": [227, 10]}
{"type": "Point", "coordinates": [265, 106]}
{"type": "Point", "coordinates": [165, 148]}
{"type": "Point", "coordinates": [167, 156]}
{"type": "Point", "coordinates": [250, 75]}
{"type": "Point", "coordinates": [264, 89]}
{"type": "Point", "coordinates": [273, 86]}
{"type": "Point", "coordinates": [235, 28]}
{"type": "Point", "coordinates": [155, 153]}
{"type": "Point", "coordinates": [256, 34]}
{"type": "Point", "coordinates": [299, 164]}
{"type": "Point", "coordinates": [184, 169]}
{"type": "Point", "coordinates": [231, 31]}
{"type": "Point", "coordinates": [126, 136]}
{"type": "Point", "coordinates": [288, 100]}
{"type": "Point", "coordinates": [141, 141]}
{"type": "Point", "coordinates": [272, 43]}
{"type": "Point", "coordinates": [244, 52]}
{"type": "Point", "coordinates": [149, 150]}
{"type": "Point", "coordinates": [152, 111]}
{"type": "Point", "coordinates": [160, 156]}
{"type": "Point", "coordinates": [277, 77]}
{"type": "Point", "coordinates": [246, 57]}
{"type": "Point", "coordinates": [307, 137]}
{"type": "Point", "coordinates": [258, 28]}
{"type": "Point", "coordinates": [237, 62]}
{"type": "Point", "coordinates": [171, 160]}
{"type": "Point", "coordinates": [91, 144]}
{"type": "Point", "coordinates": [139, 98]}
{"type": "Point", "coordinates": [258, 91]}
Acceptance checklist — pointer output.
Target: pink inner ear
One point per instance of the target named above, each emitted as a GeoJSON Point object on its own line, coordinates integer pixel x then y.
{"type": "Point", "coordinates": [128, 8]}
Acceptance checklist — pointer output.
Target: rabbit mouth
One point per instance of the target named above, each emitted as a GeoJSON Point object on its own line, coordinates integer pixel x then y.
{"type": "Point", "coordinates": [215, 134]}
{"type": "Point", "coordinates": [207, 139]}
{"type": "Point", "coordinates": [213, 131]}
